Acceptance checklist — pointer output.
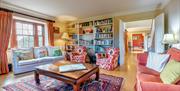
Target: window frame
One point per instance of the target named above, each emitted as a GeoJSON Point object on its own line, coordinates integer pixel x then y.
{"type": "Point", "coordinates": [35, 32]}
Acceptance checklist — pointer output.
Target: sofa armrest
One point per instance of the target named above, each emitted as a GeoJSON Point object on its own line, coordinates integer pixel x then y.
{"type": "Point", "coordinates": [14, 60]}
{"type": "Point", "coordinates": [154, 86]}
{"type": "Point", "coordinates": [142, 58]}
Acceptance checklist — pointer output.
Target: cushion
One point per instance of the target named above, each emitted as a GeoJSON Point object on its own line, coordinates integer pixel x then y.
{"type": "Point", "coordinates": [171, 72]}
{"type": "Point", "coordinates": [40, 52]}
{"type": "Point", "coordinates": [157, 61]}
{"type": "Point", "coordinates": [177, 46]}
{"type": "Point", "coordinates": [27, 62]}
{"type": "Point", "coordinates": [54, 51]}
{"type": "Point", "coordinates": [175, 54]}
{"type": "Point", "coordinates": [57, 52]}
{"type": "Point", "coordinates": [24, 54]}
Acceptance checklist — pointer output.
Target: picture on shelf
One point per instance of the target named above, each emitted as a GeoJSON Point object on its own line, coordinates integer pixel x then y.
{"type": "Point", "coordinates": [56, 30]}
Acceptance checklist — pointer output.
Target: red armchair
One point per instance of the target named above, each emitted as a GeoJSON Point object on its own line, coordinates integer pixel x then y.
{"type": "Point", "coordinates": [78, 55]}
{"type": "Point", "coordinates": [149, 80]}
{"type": "Point", "coordinates": [108, 60]}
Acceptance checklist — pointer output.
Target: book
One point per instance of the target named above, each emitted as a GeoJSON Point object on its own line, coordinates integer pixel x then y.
{"type": "Point", "coordinates": [71, 67]}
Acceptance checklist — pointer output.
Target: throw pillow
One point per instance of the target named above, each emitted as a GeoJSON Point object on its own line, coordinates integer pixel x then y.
{"type": "Point", "coordinates": [40, 52]}
{"type": "Point", "coordinates": [57, 52]}
{"type": "Point", "coordinates": [171, 72]}
{"type": "Point", "coordinates": [52, 49]}
{"type": "Point", "coordinates": [24, 55]}
{"type": "Point", "coordinates": [157, 61]}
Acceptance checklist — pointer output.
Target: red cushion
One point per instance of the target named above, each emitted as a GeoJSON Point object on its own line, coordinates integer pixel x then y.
{"type": "Point", "coordinates": [142, 58]}
{"type": "Point", "coordinates": [175, 54]}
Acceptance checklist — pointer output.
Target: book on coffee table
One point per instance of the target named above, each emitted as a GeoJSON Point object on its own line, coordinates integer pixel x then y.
{"type": "Point", "coordinates": [71, 67]}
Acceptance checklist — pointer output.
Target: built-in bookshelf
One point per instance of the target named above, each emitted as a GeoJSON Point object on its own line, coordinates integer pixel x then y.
{"type": "Point", "coordinates": [103, 34]}
{"type": "Point", "coordinates": [97, 34]}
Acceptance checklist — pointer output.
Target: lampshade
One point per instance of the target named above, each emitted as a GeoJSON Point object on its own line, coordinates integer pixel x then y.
{"type": "Point", "coordinates": [65, 36]}
{"type": "Point", "coordinates": [169, 39]}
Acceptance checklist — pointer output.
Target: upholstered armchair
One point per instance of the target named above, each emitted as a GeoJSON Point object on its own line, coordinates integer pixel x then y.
{"type": "Point", "coordinates": [108, 60]}
{"type": "Point", "coordinates": [78, 55]}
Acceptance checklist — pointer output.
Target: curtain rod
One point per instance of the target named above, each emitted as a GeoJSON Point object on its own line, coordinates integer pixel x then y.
{"type": "Point", "coordinates": [3, 9]}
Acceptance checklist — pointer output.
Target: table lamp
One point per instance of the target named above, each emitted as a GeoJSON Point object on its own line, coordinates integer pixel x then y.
{"type": "Point", "coordinates": [65, 37]}
{"type": "Point", "coordinates": [169, 39]}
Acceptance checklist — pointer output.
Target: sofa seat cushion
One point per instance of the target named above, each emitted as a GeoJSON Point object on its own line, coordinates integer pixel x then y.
{"type": "Point", "coordinates": [27, 62]}
{"type": "Point", "coordinates": [50, 59]}
{"type": "Point", "coordinates": [146, 70]}
{"type": "Point", "coordinates": [149, 78]}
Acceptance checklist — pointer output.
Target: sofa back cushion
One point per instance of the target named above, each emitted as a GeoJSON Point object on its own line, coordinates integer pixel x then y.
{"type": "Point", "coordinates": [40, 52]}
{"type": "Point", "coordinates": [23, 54]}
{"type": "Point", "coordinates": [174, 54]}
{"type": "Point", "coordinates": [80, 50]}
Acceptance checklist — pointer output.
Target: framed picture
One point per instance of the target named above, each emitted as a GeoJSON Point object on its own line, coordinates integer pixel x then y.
{"type": "Point", "coordinates": [56, 30]}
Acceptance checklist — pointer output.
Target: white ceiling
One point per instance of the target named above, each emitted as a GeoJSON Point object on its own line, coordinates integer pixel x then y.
{"type": "Point", "coordinates": [86, 8]}
{"type": "Point", "coordinates": [137, 26]}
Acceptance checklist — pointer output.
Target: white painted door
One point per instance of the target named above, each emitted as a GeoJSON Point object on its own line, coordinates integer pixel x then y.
{"type": "Point", "coordinates": [121, 41]}
{"type": "Point", "coordinates": [159, 33]}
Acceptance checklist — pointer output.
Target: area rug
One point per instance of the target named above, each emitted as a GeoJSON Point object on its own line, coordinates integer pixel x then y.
{"type": "Point", "coordinates": [106, 83]}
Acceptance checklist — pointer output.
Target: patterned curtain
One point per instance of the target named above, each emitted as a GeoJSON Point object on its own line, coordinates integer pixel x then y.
{"type": "Point", "coordinates": [50, 33]}
{"type": "Point", "coordinates": [5, 32]}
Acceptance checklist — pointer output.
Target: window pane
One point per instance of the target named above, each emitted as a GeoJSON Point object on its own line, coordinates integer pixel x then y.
{"type": "Point", "coordinates": [25, 32]}
{"type": "Point", "coordinates": [30, 27]}
{"type": "Point", "coordinates": [26, 41]}
{"type": "Point", "coordinates": [40, 40]}
{"type": "Point", "coordinates": [31, 41]}
{"type": "Point", "coordinates": [18, 31]}
{"type": "Point", "coordinates": [18, 25]}
{"type": "Point", "coordinates": [20, 41]}
{"type": "Point", "coordinates": [25, 26]}
{"type": "Point", "coordinates": [39, 27]}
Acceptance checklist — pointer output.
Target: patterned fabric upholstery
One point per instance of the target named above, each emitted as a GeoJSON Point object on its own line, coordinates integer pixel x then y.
{"type": "Point", "coordinates": [78, 55]}
{"type": "Point", "coordinates": [109, 60]}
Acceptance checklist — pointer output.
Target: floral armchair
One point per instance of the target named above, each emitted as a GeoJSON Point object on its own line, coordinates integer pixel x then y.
{"type": "Point", "coordinates": [108, 60]}
{"type": "Point", "coordinates": [78, 55]}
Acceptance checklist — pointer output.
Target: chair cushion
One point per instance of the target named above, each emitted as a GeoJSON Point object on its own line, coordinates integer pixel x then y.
{"type": "Point", "coordinates": [27, 62]}
{"type": "Point", "coordinates": [171, 72]}
{"type": "Point", "coordinates": [157, 61]}
{"type": "Point", "coordinates": [149, 78]}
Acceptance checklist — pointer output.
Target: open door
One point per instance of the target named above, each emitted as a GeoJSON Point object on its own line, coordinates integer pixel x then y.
{"type": "Point", "coordinates": [159, 33]}
{"type": "Point", "coordinates": [122, 41]}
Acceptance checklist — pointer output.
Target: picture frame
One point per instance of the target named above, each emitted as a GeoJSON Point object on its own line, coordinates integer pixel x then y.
{"type": "Point", "coordinates": [56, 30]}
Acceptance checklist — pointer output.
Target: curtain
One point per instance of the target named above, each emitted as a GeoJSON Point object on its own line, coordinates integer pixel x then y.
{"type": "Point", "coordinates": [13, 35]}
{"type": "Point", "coordinates": [50, 33]}
{"type": "Point", "coordinates": [5, 32]}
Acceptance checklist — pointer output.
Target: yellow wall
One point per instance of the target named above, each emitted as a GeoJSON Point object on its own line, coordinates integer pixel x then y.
{"type": "Point", "coordinates": [172, 14]}
{"type": "Point", "coordinates": [57, 40]}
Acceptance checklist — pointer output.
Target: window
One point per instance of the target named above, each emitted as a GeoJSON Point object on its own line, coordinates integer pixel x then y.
{"type": "Point", "coordinates": [27, 33]}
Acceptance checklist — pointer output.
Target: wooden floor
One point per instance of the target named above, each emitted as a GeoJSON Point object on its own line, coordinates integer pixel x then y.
{"type": "Point", "coordinates": [127, 71]}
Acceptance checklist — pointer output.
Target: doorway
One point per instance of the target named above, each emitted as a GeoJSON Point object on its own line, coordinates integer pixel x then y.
{"type": "Point", "coordinates": [136, 37]}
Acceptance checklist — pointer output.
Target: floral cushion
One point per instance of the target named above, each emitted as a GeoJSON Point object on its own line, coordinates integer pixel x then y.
{"type": "Point", "coordinates": [54, 51]}
{"type": "Point", "coordinates": [80, 49]}
{"type": "Point", "coordinates": [112, 51]}
{"type": "Point", "coordinates": [24, 54]}
{"type": "Point", "coordinates": [40, 52]}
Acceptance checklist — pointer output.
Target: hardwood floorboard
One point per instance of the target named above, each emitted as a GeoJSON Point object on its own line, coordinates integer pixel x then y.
{"type": "Point", "coordinates": [127, 71]}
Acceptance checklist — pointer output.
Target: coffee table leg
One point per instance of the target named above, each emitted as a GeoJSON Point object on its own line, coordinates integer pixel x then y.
{"type": "Point", "coordinates": [76, 87]}
{"type": "Point", "coordinates": [36, 75]}
{"type": "Point", "coordinates": [97, 75]}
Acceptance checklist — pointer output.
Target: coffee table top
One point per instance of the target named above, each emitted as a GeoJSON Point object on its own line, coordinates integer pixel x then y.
{"type": "Point", "coordinates": [54, 68]}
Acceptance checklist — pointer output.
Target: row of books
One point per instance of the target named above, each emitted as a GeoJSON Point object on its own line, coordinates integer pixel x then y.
{"type": "Point", "coordinates": [104, 21]}
{"type": "Point", "coordinates": [103, 42]}
{"type": "Point", "coordinates": [104, 36]}
{"type": "Point", "coordinates": [104, 29]}
{"type": "Point", "coordinates": [86, 42]}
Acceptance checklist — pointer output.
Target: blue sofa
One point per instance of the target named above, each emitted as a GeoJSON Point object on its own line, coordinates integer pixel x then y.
{"type": "Point", "coordinates": [21, 66]}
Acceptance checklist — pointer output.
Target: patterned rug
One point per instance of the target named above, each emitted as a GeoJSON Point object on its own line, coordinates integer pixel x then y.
{"type": "Point", "coordinates": [106, 83]}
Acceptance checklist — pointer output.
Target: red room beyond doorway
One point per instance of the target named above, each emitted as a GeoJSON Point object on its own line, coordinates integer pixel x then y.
{"type": "Point", "coordinates": [137, 42]}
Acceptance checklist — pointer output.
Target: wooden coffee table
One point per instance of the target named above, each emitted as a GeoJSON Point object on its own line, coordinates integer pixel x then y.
{"type": "Point", "coordinates": [75, 78]}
